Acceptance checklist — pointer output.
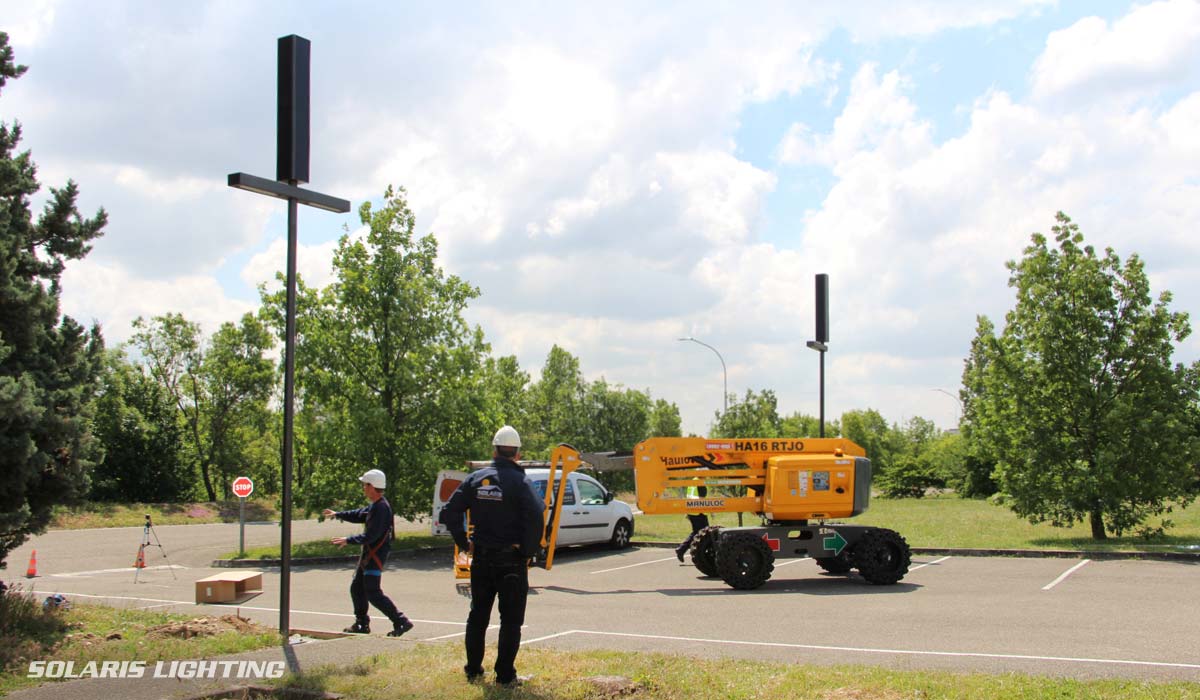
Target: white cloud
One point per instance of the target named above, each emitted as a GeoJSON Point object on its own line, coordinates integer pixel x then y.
{"type": "Point", "coordinates": [1153, 46]}
{"type": "Point", "coordinates": [114, 297]}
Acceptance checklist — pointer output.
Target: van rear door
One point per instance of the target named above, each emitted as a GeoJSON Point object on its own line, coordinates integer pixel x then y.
{"type": "Point", "coordinates": [447, 482]}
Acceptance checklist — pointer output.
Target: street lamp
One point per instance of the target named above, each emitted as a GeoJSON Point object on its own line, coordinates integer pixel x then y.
{"type": "Point", "coordinates": [724, 372]}
{"type": "Point", "coordinates": [291, 169]}
{"type": "Point", "coordinates": [959, 400]}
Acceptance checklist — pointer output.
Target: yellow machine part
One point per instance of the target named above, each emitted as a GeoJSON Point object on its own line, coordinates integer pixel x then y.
{"type": "Point", "coordinates": [748, 475]}
{"type": "Point", "coordinates": [809, 486]}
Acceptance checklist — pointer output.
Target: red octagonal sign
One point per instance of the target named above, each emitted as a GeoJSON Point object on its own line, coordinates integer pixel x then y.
{"type": "Point", "coordinates": [243, 487]}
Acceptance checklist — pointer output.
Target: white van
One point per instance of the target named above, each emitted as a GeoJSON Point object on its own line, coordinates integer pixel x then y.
{"type": "Point", "coordinates": [590, 513]}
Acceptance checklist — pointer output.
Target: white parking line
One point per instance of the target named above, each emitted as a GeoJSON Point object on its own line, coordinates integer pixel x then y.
{"type": "Point", "coordinates": [549, 636]}
{"type": "Point", "coordinates": [935, 562]}
{"type": "Point", "coordinates": [630, 566]}
{"type": "Point", "coordinates": [240, 607]}
{"type": "Point", "coordinates": [792, 561]}
{"type": "Point", "coordinates": [1065, 574]}
{"type": "Point", "coordinates": [123, 569]}
{"type": "Point", "coordinates": [870, 650]}
{"type": "Point", "coordinates": [459, 634]}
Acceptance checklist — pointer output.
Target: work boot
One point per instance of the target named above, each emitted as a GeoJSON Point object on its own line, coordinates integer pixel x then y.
{"type": "Point", "coordinates": [401, 627]}
{"type": "Point", "coordinates": [359, 628]}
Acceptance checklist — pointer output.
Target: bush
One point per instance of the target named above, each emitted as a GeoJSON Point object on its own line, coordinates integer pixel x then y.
{"type": "Point", "coordinates": [26, 630]}
{"type": "Point", "coordinates": [908, 477]}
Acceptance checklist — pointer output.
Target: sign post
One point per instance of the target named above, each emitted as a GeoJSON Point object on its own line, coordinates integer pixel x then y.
{"type": "Point", "coordinates": [242, 488]}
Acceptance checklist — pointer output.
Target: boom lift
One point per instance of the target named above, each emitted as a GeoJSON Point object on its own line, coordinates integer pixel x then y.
{"type": "Point", "coordinates": [789, 482]}
{"type": "Point", "coordinates": [796, 485]}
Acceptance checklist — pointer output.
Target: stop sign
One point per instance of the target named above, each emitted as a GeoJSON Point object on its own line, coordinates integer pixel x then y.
{"type": "Point", "coordinates": [243, 487]}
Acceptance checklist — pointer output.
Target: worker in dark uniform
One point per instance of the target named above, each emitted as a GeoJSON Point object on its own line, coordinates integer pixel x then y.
{"type": "Point", "coordinates": [376, 541]}
{"type": "Point", "coordinates": [698, 521]}
{"type": "Point", "coordinates": [507, 515]}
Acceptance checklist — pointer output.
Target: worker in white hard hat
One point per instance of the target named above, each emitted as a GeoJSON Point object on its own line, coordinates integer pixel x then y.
{"type": "Point", "coordinates": [376, 539]}
{"type": "Point", "coordinates": [507, 515]}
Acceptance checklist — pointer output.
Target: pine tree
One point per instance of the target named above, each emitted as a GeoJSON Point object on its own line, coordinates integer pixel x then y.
{"type": "Point", "coordinates": [49, 364]}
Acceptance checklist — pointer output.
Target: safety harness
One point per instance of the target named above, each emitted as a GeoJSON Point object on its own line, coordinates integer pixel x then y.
{"type": "Point", "coordinates": [372, 552]}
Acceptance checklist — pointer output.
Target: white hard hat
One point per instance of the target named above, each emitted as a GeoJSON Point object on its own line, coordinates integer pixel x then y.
{"type": "Point", "coordinates": [507, 437]}
{"type": "Point", "coordinates": [375, 478]}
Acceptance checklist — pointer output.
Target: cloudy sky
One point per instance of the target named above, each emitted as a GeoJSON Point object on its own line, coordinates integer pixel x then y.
{"type": "Point", "coordinates": [614, 176]}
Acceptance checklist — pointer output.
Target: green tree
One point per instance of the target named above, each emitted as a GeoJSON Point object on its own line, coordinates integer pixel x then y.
{"type": "Point", "coordinates": [804, 425]}
{"type": "Point", "coordinates": [138, 425]}
{"type": "Point", "coordinates": [49, 364]}
{"type": "Point", "coordinates": [236, 379]}
{"type": "Point", "coordinates": [220, 388]}
{"type": "Point", "coordinates": [868, 429]}
{"type": "Point", "coordinates": [554, 406]}
{"type": "Point", "coordinates": [1081, 406]}
{"type": "Point", "coordinates": [757, 415]}
{"type": "Point", "coordinates": [170, 347]}
{"type": "Point", "coordinates": [976, 479]}
{"type": "Point", "coordinates": [392, 375]}
{"type": "Point", "coordinates": [665, 420]}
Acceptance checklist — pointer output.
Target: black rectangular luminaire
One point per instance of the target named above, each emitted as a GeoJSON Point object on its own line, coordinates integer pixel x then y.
{"type": "Point", "coordinates": [261, 185]}
{"type": "Point", "coordinates": [291, 154]}
{"type": "Point", "coordinates": [823, 308]}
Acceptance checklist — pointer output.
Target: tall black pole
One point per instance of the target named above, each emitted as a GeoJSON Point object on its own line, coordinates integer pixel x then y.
{"type": "Point", "coordinates": [289, 410]}
{"type": "Point", "coordinates": [822, 429]}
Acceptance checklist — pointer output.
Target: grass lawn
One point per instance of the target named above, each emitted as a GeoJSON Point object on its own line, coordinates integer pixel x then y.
{"type": "Point", "coordinates": [91, 515]}
{"type": "Point", "coordinates": [563, 675]}
{"type": "Point", "coordinates": [99, 633]}
{"type": "Point", "coordinates": [325, 548]}
{"type": "Point", "coordinates": [949, 521]}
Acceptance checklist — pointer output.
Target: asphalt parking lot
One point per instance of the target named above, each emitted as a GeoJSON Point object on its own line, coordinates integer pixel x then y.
{"type": "Point", "coordinates": [1062, 617]}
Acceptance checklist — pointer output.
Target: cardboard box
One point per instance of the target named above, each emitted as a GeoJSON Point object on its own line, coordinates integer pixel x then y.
{"type": "Point", "coordinates": [227, 587]}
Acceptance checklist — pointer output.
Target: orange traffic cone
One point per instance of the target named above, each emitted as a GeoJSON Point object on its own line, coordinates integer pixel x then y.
{"type": "Point", "coordinates": [32, 570]}
{"type": "Point", "coordinates": [141, 559]}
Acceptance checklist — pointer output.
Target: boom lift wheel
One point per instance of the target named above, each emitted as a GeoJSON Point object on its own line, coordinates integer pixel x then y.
{"type": "Point", "coordinates": [840, 564]}
{"type": "Point", "coordinates": [882, 556]}
{"type": "Point", "coordinates": [744, 560]}
{"type": "Point", "coordinates": [704, 550]}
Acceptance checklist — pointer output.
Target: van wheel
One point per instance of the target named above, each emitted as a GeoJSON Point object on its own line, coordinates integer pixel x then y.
{"type": "Point", "coordinates": [622, 534]}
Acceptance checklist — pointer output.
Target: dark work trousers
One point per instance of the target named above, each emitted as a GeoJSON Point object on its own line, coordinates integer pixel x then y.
{"type": "Point", "coordinates": [699, 522]}
{"type": "Point", "coordinates": [504, 576]}
{"type": "Point", "coordinates": [366, 588]}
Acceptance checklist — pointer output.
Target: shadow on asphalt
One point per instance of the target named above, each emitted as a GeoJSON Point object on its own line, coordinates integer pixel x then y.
{"type": "Point", "coordinates": [851, 585]}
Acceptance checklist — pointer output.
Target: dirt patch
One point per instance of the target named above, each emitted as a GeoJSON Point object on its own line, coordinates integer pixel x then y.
{"type": "Point", "coordinates": [612, 687]}
{"type": "Point", "coordinates": [204, 627]}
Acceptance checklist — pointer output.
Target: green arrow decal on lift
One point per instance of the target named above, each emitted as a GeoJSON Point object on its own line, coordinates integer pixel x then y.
{"type": "Point", "coordinates": [835, 542]}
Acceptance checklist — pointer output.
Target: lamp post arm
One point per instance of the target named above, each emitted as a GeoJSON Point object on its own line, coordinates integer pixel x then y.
{"type": "Point", "coordinates": [724, 371]}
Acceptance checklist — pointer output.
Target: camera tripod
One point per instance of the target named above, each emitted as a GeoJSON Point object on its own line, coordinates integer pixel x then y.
{"type": "Point", "coordinates": [140, 562]}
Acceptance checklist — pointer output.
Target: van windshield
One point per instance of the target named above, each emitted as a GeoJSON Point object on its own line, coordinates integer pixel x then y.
{"type": "Point", "coordinates": [539, 485]}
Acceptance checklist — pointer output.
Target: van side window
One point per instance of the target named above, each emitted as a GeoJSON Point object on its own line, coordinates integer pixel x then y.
{"type": "Point", "coordinates": [590, 493]}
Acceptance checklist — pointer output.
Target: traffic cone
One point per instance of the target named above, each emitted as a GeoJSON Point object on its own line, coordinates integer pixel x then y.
{"type": "Point", "coordinates": [32, 570]}
{"type": "Point", "coordinates": [141, 559]}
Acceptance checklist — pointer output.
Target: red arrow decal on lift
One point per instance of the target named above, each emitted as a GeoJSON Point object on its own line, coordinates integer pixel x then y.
{"type": "Point", "coordinates": [772, 543]}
